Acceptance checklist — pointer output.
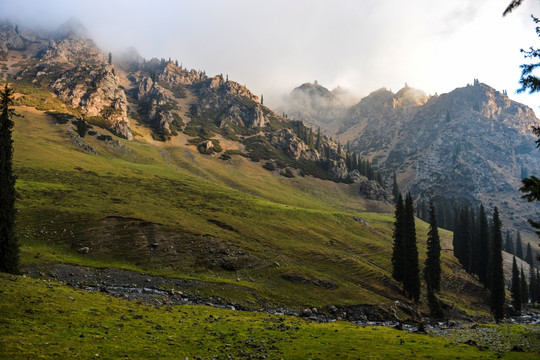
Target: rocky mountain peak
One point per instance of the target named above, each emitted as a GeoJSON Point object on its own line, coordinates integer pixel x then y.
{"type": "Point", "coordinates": [409, 96]}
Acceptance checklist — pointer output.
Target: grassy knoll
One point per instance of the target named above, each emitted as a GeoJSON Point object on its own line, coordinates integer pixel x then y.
{"type": "Point", "coordinates": [42, 319]}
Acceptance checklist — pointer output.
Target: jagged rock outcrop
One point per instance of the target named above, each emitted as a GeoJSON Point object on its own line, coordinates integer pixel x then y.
{"type": "Point", "coordinates": [10, 39]}
{"type": "Point", "coordinates": [290, 144]}
{"type": "Point", "coordinates": [337, 169]}
{"type": "Point", "coordinates": [74, 68]}
{"type": "Point", "coordinates": [371, 190]}
{"type": "Point", "coordinates": [155, 104]}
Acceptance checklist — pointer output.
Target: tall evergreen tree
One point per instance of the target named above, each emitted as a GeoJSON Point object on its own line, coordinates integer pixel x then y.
{"type": "Point", "coordinates": [432, 270]}
{"type": "Point", "coordinates": [532, 285]}
{"type": "Point", "coordinates": [537, 289]}
{"type": "Point", "coordinates": [519, 246]}
{"type": "Point", "coordinates": [398, 260]}
{"type": "Point", "coordinates": [516, 287]}
{"type": "Point", "coordinates": [495, 269]}
{"type": "Point", "coordinates": [524, 288]}
{"type": "Point", "coordinates": [529, 256]}
{"type": "Point", "coordinates": [9, 247]}
{"type": "Point", "coordinates": [318, 142]}
{"type": "Point", "coordinates": [483, 246]}
{"type": "Point", "coordinates": [411, 279]}
{"type": "Point", "coordinates": [509, 245]}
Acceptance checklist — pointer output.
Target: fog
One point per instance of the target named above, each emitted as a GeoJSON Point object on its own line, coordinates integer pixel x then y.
{"type": "Point", "coordinates": [274, 46]}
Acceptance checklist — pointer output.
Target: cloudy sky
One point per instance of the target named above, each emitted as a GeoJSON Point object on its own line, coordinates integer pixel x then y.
{"type": "Point", "coordinates": [273, 46]}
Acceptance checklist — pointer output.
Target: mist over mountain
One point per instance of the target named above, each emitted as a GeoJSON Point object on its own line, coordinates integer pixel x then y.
{"type": "Point", "coordinates": [466, 147]}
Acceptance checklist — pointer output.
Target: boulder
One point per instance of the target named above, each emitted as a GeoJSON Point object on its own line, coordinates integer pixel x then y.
{"type": "Point", "coordinates": [371, 190]}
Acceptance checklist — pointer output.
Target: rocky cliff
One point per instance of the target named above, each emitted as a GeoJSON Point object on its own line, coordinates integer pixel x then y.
{"type": "Point", "coordinates": [75, 69]}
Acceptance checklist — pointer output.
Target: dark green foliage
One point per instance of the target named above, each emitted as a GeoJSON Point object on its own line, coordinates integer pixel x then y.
{"type": "Point", "coordinates": [509, 244]}
{"type": "Point", "coordinates": [434, 304]}
{"type": "Point", "coordinates": [495, 269]}
{"type": "Point", "coordinates": [269, 165]}
{"type": "Point", "coordinates": [482, 256]}
{"type": "Point", "coordinates": [60, 117]}
{"type": "Point", "coordinates": [432, 271]}
{"type": "Point", "coordinates": [82, 127]}
{"type": "Point", "coordinates": [179, 91]}
{"type": "Point", "coordinates": [287, 173]}
{"type": "Point", "coordinates": [531, 188]}
{"type": "Point", "coordinates": [529, 81]}
{"type": "Point", "coordinates": [519, 246]}
{"type": "Point", "coordinates": [411, 274]}
{"type": "Point", "coordinates": [447, 116]}
{"type": "Point", "coordinates": [104, 137]}
{"type": "Point", "coordinates": [523, 287]}
{"type": "Point", "coordinates": [462, 239]}
{"type": "Point", "coordinates": [9, 247]}
{"type": "Point", "coordinates": [516, 287]}
{"type": "Point", "coordinates": [318, 141]}
{"type": "Point", "coordinates": [225, 157]}
{"type": "Point", "coordinates": [529, 256]}
{"type": "Point", "coordinates": [397, 250]}
{"type": "Point", "coordinates": [532, 285]}
{"type": "Point", "coordinates": [110, 59]}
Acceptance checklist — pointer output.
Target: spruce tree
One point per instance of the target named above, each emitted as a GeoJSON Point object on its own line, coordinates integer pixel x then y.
{"type": "Point", "coordinates": [110, 59]}
{"type": "Point", "coordinates": [519, 246]}
{"type": "Point", "coordinates": [398, 248]}
{"type": "Point", "coordinates": [532, 285]}
{"type": "Point", "coordinates": [495, 269]}
{"type": "Point", "coordinates": [516, 287]}
{"type": "Point", "coordinates": [456, 240]}
{"type": "Point", "coordinates": [411, 279]}
{"type": "Point", "coordinates": [432, 270]}
{"type": "Point", "coordinates": [537, 289]}
{"type": "Point", "coordinates": [9, 247]}
{"type": "Point", "coordinates": [483, 246]}
{"type": "Point", "coordinates": [528, 255]}
{"type": "Point", "coordinates": [524, 288]}
{"type": "Point", "coordinates": [509, 244]}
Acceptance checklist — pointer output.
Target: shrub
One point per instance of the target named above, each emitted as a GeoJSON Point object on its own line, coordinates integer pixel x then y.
{"type": "Point", "coordinates": [269, 166]}
{"type": "Point", "coordinates": [287, 173]}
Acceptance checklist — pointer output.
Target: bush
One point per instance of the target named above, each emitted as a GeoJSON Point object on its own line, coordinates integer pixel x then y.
{"type": "Point", "coordinates": [269, 166]}
{"type": "Point", "coordinates": [287, 173]}
{"type": "Point", "coordinates": [225, 156]}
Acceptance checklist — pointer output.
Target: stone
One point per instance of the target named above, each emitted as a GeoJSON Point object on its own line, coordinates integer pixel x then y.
{"type": "Point", "coordinates": [371, 190]}
{"type": "Point", "coordinates": [84, 250]}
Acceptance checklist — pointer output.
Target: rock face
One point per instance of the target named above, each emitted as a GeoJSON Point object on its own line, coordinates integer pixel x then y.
{"type": "Point", "coordinates": [469, 146]}
{"type": "Point", "coordinates": [10, 39]}
{"type": "Point", "coordinates": [290, 144]}
{"type": "Point", "coordinates": [74, 68]}
{"type": "Point", "coordinates": [371, 190]}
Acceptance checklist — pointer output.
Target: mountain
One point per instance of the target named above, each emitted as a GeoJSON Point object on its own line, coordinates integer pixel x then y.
{"type": "Point", "coordinates": [316, 105]}
{"type": "Point", "coordinates": [146, 166]}
{"type": "Point", "coordinates": [467, 147]}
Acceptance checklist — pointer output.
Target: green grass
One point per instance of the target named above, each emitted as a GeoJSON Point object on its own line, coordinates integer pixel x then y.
{"type": "Point", "coordinates": [193, 204]}
{"type": "Point", "coordinates": [42, 319]}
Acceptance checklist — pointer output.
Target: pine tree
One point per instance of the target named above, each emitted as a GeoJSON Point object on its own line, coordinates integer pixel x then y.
{"type": "Point", "coordinates": [319, 140]}
{"type": "Point", "coordinates": [519, 246]}
{"type": "Point", "coordinates": [395, 189]}
{"type": "Point", "coordinates": [432, 270]}
{"type": "Point", "coordinates": [262, 100]}
{"type": "Point", "coordinates": [411, 279]}
{"type": "Point", "coordinates": [110, 59]}
{"type": "Point", "coordinates": [483, 246]}
{"type": "Point", "coordinates": [537, 289]}
{"type": "Point", "coordinates": [495, 269]}
{"type": "Point", "coordinates": [9, 247]}
{"type": "Point", "coordinates": [434, 304]}
{"type": "Point", "coordinates": [397, 250]}
{"type": "Point", "coordinates": [529, 256]}
{"type": "Point", "coordinates": [509, 244]}
{"type": "Point", "coordinates": [524, 288]}
{"type": "Point", "coordinates": [516, 287]}
{"type": "Point", "coordinates": [532, 285]}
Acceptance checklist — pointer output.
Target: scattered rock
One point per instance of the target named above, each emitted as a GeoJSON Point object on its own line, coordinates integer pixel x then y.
{"type": "Point", "coordinates": [84, 250]}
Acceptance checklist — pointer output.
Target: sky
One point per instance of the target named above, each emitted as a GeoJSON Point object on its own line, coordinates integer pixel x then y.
{"type": "Point", "coordinates": [274, 46]}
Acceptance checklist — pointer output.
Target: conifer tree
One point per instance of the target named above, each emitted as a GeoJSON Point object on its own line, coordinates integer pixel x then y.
{"type": "Point", "coordinates": [110, 59]}
{"type": "Point", "coordinates": [516, 287]}
{"type": "Point", "coordinates": [495, 269]}
{"type": "Point", "coordinates": [432, 271]}
{"type": "Point", "coordinates": [395, 189]}
{"type": "Point", "coordinates": [532, 285]}
{"type": "Point", "coordinates": [524, 288]}
{"type": "Point", "coordinates": [529, 256]}
{"type": "Point", "coordinates": [509, 245]}
{"type": "Point", "coordinates": [519, 246]}
{"type": "Point", "coordinates": [483, 246]}
{"type": "Point", "coordinates": [411, 279]}
{"type": "Point", "coordinates": [318, 141]}
{"type": "Point", "coordinates": [537, 290]}
{"type": "Point", "coordinates": [9, 247]}
{"type": "Point", "coordinates": [398, 250]}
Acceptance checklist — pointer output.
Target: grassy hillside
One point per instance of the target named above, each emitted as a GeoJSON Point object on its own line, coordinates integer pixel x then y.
{"type": "Point", "coordinates": [43, 320]}
{"type": "Point", "coordinates": [165, 209]}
